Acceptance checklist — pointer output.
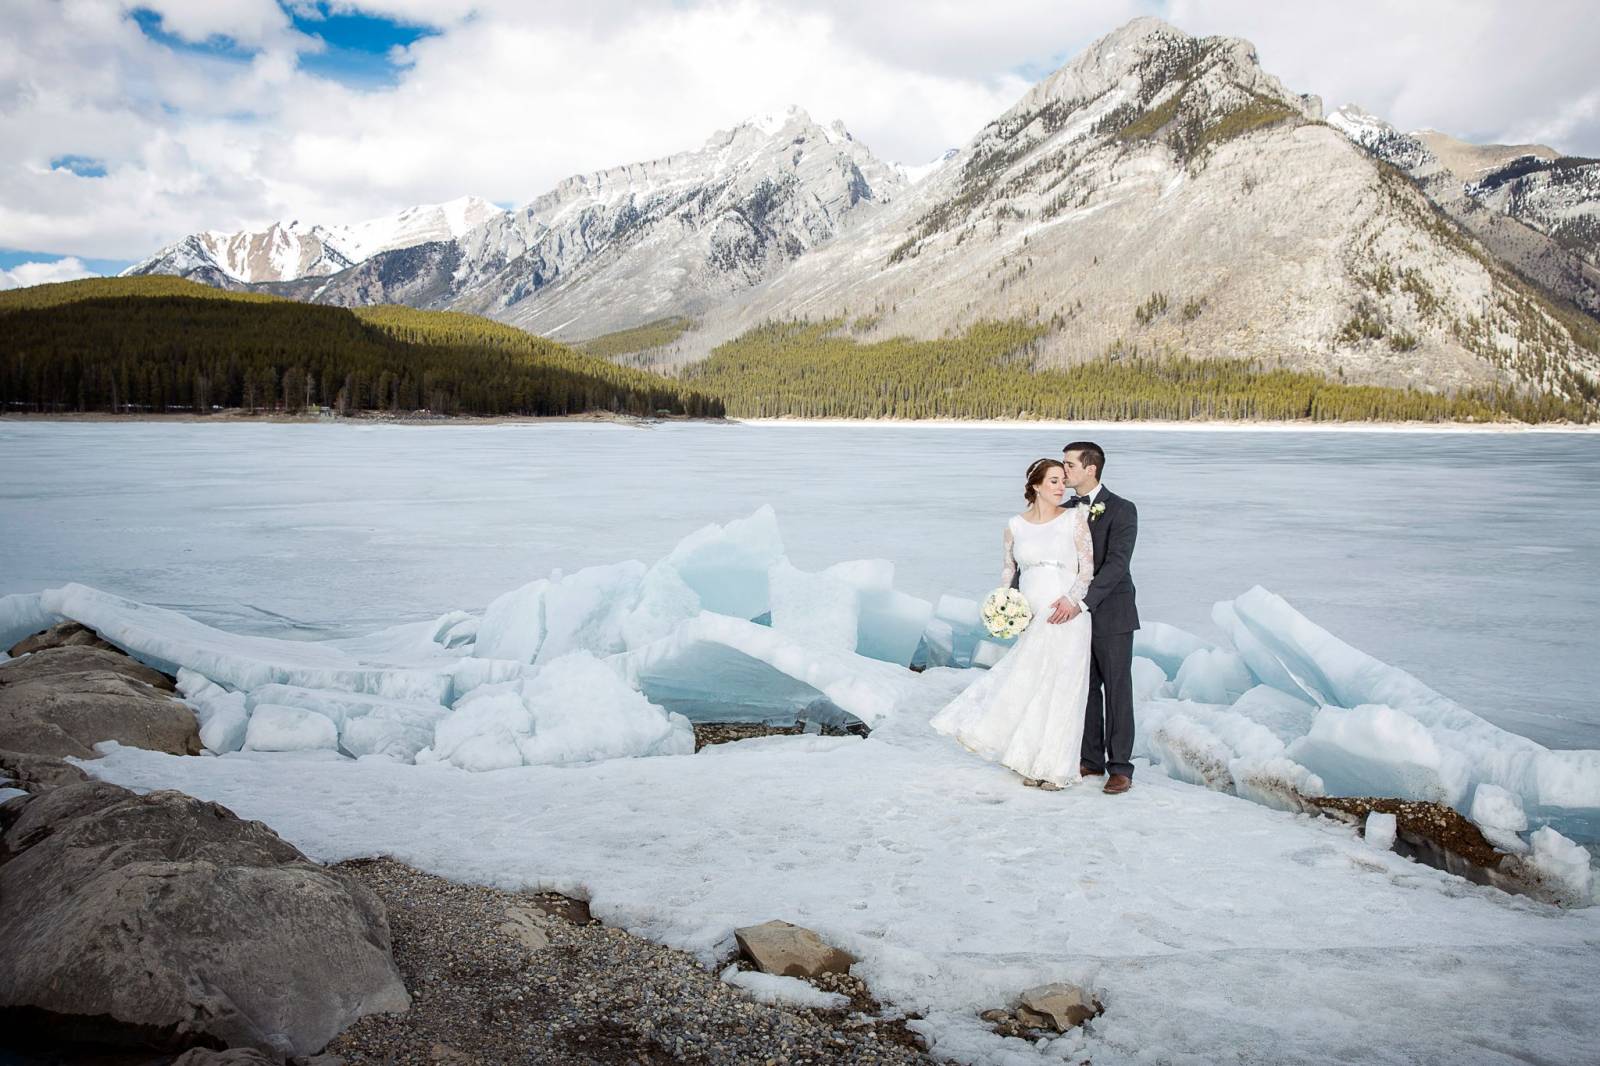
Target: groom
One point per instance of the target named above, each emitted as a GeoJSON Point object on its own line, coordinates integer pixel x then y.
{"type": "Point", "coordinates": [1113, 526]}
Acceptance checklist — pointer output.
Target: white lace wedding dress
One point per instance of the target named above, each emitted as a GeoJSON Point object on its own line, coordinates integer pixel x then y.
{"type": "Point", "coordinates": [1027, 712]}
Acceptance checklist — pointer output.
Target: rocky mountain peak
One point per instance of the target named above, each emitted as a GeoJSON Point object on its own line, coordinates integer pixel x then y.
{"type": "Point", "coordinates": [1152, 63]}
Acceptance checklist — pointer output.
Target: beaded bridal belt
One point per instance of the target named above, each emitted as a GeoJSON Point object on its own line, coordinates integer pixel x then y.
{"type": "Point", "coordinates": [1049, 562]}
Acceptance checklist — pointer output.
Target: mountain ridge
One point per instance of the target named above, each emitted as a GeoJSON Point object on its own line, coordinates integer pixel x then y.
{"type": "Point", "coordinates": [1158, 194]}
{"type": "Point", "coordinates": [290, 251]}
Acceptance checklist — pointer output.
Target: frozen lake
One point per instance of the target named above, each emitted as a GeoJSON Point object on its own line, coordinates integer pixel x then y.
{"type": "Point", "coordinates": [1468, 559]}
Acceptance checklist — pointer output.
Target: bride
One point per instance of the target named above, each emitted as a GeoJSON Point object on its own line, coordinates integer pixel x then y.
{"type": "Point", "coordinates": [1027, 712]}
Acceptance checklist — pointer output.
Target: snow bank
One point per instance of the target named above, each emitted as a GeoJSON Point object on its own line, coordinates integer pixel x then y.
{"type": "Point", "coordinates": [727, 566]}
{"type": "Point", "coordinates": [1500, 816]}
{"type": "Point", "coordinates": [576, 709]}
{"type": "Point", "coordinates": [171, 641]}
{"type": "Point", "coordinates": [783, 991]}
{"type": "Point", "coordinates": [274, 728]}
{"type": "Point", "coordinates": [725, 626]}
{"type": "Point", "coordinates": [21, 615]}
{"type": "Point", "coordinates": [1380, 830]}
{"type": "Point", "coordinates": [222, 715]}
{"type": "Point", "coordinates": [368, 725]}
{"type": "Point", "coordinates": [1564, 866]}
{"type": "Point", "coordinates": [715, 661]}
{"type": "Point", "coordinates": [1359, 725]}
{"type": "Point", "coordinates": [1166, 646]}
{"type": "Point", "coordinates": [820, 609]}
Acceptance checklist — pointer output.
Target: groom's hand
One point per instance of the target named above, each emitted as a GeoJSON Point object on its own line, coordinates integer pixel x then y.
{"type": "Point", "coordinates": [1063, 610]}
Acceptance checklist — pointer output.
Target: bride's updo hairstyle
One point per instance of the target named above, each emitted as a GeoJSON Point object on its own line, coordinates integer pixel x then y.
{"type": "Point", "coordinates": [1038, 470]}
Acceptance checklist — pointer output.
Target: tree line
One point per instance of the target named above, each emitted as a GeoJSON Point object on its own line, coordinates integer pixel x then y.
{"type": "Point", "coordinates": [809, 369]}
{"type": "Point", "coordinates": [163, 344]}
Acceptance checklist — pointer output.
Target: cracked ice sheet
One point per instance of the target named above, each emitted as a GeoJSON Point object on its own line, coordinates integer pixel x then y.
{"type": "Point", "coordinates": [1212, 927]}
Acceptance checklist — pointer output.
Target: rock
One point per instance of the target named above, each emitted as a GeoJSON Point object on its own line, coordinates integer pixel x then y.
{"type": "Point", "coordinates": [37, 773]}
{"type": "Point", "coordinates": [790, 951]}
{"type": "Point", "coordinates": [43, 813]}
{"type": "Point", "coordinates": [526, 926]}
{"type": "Point", "coordinates": [62, 635]}
{"type": "Point", "coordinates": [62, 701]}
{"type": "Point", "coordinates": [1060, 1005]}
{"type": "Point", "coordinates": [163, 921]}
{"type": "Point", "coordinates": [995, 1015]}
{"type": "Point", "coordinates": [56, 662]}
{"type": "Point", "coordinates": [1033, 1020]}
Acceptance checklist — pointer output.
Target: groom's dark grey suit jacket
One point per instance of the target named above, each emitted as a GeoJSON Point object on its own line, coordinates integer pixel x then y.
{"type": "Point", "coordinates": [1110, 598]}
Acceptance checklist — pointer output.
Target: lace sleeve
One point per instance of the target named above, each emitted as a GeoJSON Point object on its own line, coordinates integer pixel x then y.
{"type": "Point", "coordinates": [1084, 543]}
{"type": "Point", "coordinates": [1008, 571]}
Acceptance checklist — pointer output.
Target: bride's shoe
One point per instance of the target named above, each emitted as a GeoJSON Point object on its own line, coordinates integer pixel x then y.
{"type": "Point", "coordinates": [1049, 786]}
{"type": "Point", "coordinates": [1032, 782]}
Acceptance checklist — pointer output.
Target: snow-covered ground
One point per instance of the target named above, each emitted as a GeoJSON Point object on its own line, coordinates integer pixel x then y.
{"type": "Point", "coordinates": [1464, 559]}
{"type": "Point", "coordinates": [1215, 930]}
{"type": "Point", "coordinates": [535, 742]}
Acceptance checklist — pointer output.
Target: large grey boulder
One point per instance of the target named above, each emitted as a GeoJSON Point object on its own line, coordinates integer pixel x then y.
{"type": "Point", "coordinates": [165, 921]}
{"type": "Point", "coordinates": [62, 701]}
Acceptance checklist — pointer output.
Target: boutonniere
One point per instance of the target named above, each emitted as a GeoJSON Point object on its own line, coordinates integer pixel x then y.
{"type": "Point", "coordinates": [1096, 510]}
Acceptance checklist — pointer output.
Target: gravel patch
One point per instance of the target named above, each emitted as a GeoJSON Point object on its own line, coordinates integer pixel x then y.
{"type": "Point", "coordinates": [708, 733]}
{"type": "Point", "coordinates": [502, 977]}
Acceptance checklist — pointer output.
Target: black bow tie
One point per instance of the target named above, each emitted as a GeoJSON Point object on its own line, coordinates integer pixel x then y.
{"type": "Point", "coordinates": [1076, 500]}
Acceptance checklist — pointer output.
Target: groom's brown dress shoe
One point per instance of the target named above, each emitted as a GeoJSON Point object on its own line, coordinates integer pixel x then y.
{"type": "Point", "coordinates": [1117, 784]}
{"type": "Point", "coordinates": [1085, 770]}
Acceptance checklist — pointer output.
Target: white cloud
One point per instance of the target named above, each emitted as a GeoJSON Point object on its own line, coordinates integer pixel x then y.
{"type": "Point", "coordinates": [512, 97]}
{"type": "Point", "coordinates": [24, 274]}
{"type": "Point", "coordinates": [1482, 70]}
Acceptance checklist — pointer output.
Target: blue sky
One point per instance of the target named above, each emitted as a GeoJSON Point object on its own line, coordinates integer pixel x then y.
{"type": "Point", "coordinates": [12, 257]}
{"type": "Point", "coordinates": [357, 47]}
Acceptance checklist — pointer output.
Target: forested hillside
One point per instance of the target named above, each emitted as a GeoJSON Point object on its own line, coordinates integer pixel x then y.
{"type": "Point", "coordinates": [816, 370]}
{"type": "Point", "coordinates": [154, 344]}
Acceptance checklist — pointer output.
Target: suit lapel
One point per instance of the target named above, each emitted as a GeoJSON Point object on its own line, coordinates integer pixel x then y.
{"type": "Point", "coordinates": [1097, 526]}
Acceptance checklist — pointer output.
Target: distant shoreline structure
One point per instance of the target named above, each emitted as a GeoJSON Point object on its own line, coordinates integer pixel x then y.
{"type": "Point", "coordinates": [1154, 425]}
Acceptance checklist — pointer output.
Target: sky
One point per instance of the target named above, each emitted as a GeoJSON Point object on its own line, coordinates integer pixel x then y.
{"type": "Point", "coordinates": [129, 125]}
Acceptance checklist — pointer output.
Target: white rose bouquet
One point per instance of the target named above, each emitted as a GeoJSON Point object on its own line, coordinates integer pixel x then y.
{"type": "Point", "coordinates": [1006, 613]}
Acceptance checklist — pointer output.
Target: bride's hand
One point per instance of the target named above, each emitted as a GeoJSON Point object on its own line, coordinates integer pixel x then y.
{"type": "Point", "coordinates": [1063, 610]}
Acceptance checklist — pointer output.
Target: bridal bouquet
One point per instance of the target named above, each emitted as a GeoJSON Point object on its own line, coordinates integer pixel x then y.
{"type": "Point", "coordinates": [1006, 613]}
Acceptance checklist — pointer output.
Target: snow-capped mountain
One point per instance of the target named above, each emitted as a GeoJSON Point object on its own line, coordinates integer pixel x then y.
{"type": "Point", "coordinates": [285, 251]}
{"type": "Point", "coordinates": [1161, 193]}
{"type": "Point", "coordinates": [1543, 213]}
{"type": "Point", "coordinates": [618, 247]}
